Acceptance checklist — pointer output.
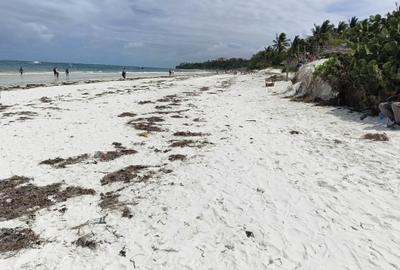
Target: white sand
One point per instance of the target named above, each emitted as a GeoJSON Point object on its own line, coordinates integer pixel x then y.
{"type": "Point", "coordinates": [322, 199]}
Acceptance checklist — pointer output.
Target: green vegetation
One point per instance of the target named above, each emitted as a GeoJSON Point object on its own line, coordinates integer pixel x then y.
{"type": "Point", "coordinates": [364, 65]}
{"type": "Point", "coordinates": [370, 70]}
{"type": "Point", "coordinates": [221, 63]}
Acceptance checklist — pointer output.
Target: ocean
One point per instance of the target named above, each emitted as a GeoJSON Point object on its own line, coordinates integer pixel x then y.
{"type": "Point", "coordinates": [36, 72]}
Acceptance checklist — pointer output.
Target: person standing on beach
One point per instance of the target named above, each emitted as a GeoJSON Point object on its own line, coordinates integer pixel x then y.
{"type": "Point", "coordinates": [21, 70]}
{"type": "Point", "coordinates": [123, 73]}
{"type": "Point", "coordinates": [67, 73]}
{"type": "Point", "coordinates": [56, 73]}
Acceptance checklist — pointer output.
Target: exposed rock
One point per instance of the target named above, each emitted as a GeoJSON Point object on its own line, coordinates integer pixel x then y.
{"type": "Point", "coordinates": [309, 87]}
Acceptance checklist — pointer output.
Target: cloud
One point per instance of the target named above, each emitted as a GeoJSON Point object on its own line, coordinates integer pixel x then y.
{"type": "Point", "coordinates": [133, 45]}
{"type": "Point", "coordinates": [39, 30]}
{"type": "Point", "coordinates": [160, 33]}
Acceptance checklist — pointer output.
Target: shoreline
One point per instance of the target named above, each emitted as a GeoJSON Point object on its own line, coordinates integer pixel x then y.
{"type": "Point", "coordinates": [90, 81]}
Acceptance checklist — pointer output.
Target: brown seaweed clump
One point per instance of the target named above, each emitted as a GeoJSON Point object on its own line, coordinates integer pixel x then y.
{"type": "Point", "coordinates": [19, 197]}
{"type": "Point", "coordinates": [376, 137]}
{"type": "Point", "coordinates": [15, 239]}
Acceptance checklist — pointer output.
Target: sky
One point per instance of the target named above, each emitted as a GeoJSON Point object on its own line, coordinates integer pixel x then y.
{"type": "Point", "coordinates": [161, 33]}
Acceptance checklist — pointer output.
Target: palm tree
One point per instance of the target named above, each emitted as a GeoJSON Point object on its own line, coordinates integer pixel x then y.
{"type": "Point", "coordinates": [281, 42]}
{"type": "Point", "coordinates": [322, 33]}
{"type": "Point", "coordinates": [327, 27]}
{"type": "Point", "coordinates": [297, 43]}
{"type": "Point", "coordinates": [353, 22]}
{"type": "Point", "coordinates": [342, 26]}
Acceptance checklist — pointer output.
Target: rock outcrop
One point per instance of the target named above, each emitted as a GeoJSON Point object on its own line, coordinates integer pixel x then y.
{"type": "Point", "coordinates": [310, 87]}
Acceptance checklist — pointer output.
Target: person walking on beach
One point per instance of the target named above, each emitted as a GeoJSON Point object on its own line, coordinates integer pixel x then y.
{"type": "Point", "coordinates": [170, 72]}
{"type": "Point", "coordinates": [67, 73]}
{"type": "Point", "coordinates": [21, 70]}
{"type": "Point", "coordinates": [391, 108]}
{"type": "Point", "coordinates": [56, 73]}
{"type": "Point", "coordinates": [123, 73]}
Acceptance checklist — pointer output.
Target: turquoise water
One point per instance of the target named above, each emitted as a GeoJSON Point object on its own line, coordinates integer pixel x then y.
{"type": "Point", "coordinates": [42, 72]}
{"type": "Point", "coordinates": [36, 66]}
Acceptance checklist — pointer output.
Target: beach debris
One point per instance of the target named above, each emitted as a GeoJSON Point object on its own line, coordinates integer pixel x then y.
{"type": "Point", "coordinates": [63, 209]}
{"type": "Point", "coordinates": [126, 212]}
{"type": "Point", "coordinates": [20, 113]}
{"type": "Point", "coordinates": [18, 197]}
{"type": "Point", "coordinates": [277, 78]}
{"type": "Point", "coordinates": [166, 171]}
{"type": "Point", "coordinates": [294, 132]}
{"type": "Point", "coordinates": [24, 118]}
{"type": "Point", "coordinates": [152, 119]}
{"type": "Point", "coordinates": [46, 99]}
{"type": "Point", "coordinates": [144, 134]}
{"type": "Point", "coordinates": [192, 94]}
{"type": "Point", "coordinates": [269, 83]}
{"type": "Point", "coordinates": [111, 155]}
{"type": "Point", "coordinates": [145, 102]}
{"type": "Point", "coordinates": [109, 201]}
{"type": "Point", "coordinates": [118, 145]}
{"type": "Point", "coordinates": [183, 143]}
{"type": "Point", "coordinates": [147, 124]}
{"type": "Point", "coordinates": [260, 190]}
{"type": "Point", "coordinates": [249, 234]}
{"type": "Point", "coordinates": [34, 85]}
{"type": "Point", "coordinates": [376, 137]}
{"type": "Point", "coordinates": [226, 84]}
{"type": "Point", "coordinates": [188, 143]}
{"type": "Point", "coordinates": [127, 114]}
{"type": "Point", "coordinates": [61, 163]}
{"type": "Point", "coordinates": [124, 175]}
{"type": "Point", "coordinates": [189, 134]}
{"type": "Point", "coordinates": [199, 120]}
{"type": "Point", "coordinates": [104, 93]}
{"type": "Point", "coordinates": [230, 247]}
{"type": "Point", "coordinates": [15, 239]}
{"type": "Point", "coordinates": [4, 107]}
{"type": "Point", "coordinates": [204, 88]}
{"type": "Point", "coordinates": [177, 157]}
{"type": "Point", "coordinates": [162, 107]}
{"type": "Point", "coordinates": [71, 192]}
{"type": "Point", "coordinates": [169, 112]}
{"type": "Point", "coordinates": [169, 98]}
{"type": "Point", "coordinates": [86, 241]}
{"type": "Point", "coordinates": [122, 252]}
{"type": "Point", "coordinates": [365, 115]}
{"type": "Point", "coordinates": [327, 186]}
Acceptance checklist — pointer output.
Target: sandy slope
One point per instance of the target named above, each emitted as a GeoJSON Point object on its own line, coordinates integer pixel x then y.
{"type": "Point", "coordinates": [320, 199]}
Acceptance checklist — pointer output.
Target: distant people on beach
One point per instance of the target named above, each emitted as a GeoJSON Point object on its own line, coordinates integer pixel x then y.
{"type": "Point", "coordinates": [124, 73]}
{"type": "Point", "coordinates": [171, 72]}
{"type": "Point", "coordinates": [391, 109]}
{"type": "Point", "coordinates": [67, 73]}
{"type": "Point", "coordinates": [21, 70]}
{"type": "Point", "coordinates": [56, 73]}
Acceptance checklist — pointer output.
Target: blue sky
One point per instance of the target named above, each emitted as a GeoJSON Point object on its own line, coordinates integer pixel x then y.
{"type": "Point", "coordinates": [160, 32]}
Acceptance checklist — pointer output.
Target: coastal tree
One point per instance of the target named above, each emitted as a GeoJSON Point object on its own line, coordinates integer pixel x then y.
{"type": "Point", "coordinates": [353, 22]}
{"type": "Point", "coordinates": [281, 42]}
{"type": "Point", "coordinates": [342, 26]}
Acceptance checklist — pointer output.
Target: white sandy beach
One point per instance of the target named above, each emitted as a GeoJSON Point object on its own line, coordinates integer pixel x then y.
{"type": "Point", "coordinates": [268, 184]}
